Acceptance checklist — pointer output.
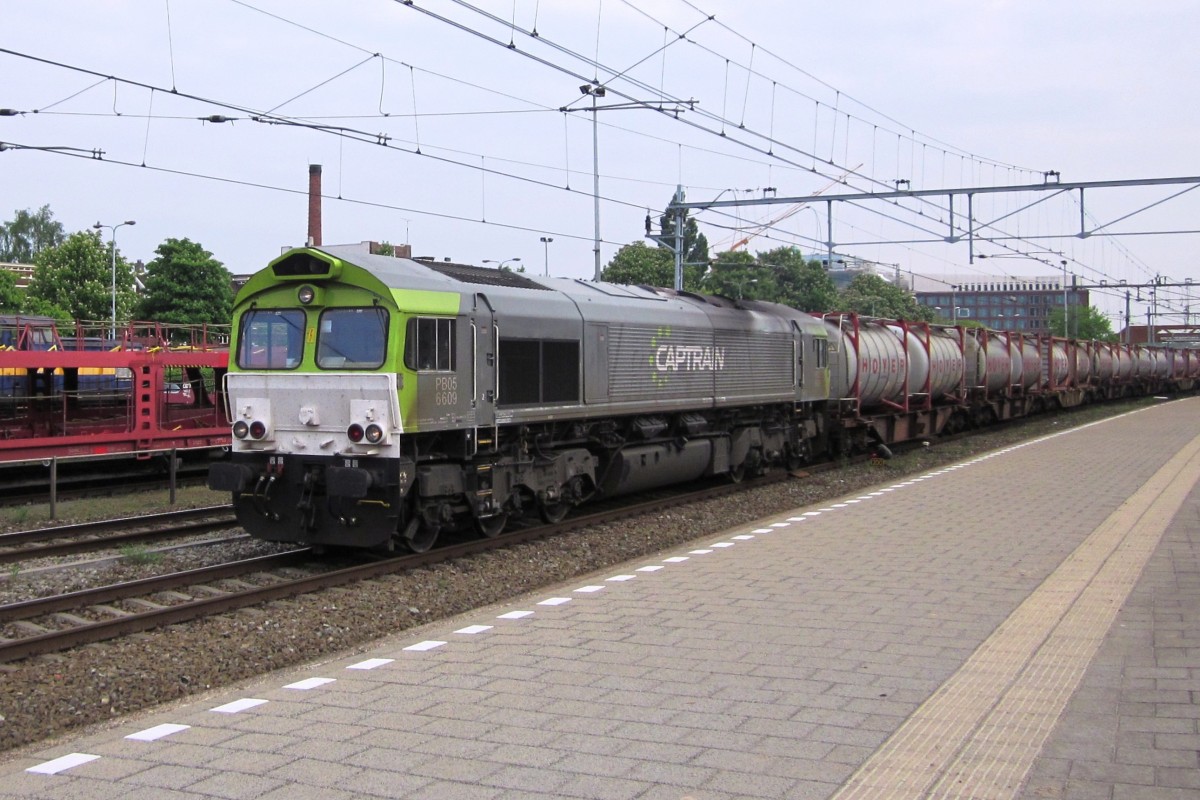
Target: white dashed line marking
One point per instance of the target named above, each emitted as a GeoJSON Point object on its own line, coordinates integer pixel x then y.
{"type": "Point", "coordinates": [700, 552]}
{"type": "Point", "coordinates": [157, 732]}
{"type": "Point", "coordinates": [722, 544]}
{"type": "Point", "coordinates": [619, 578]}
{"type": "Point", "coordinates": [651, 568]}
{"type": "Point", "coordinates": [589, 589]}
{"type": "Point", "coordinates": [675, 559]}
{"type": "Point", "coordinates": [743, 537]}
{"type": "Point", "coordinates": [421, 647]}
{"type": "Point", "coordinates": [555, 601]}
{"type": "Point", "coordinates": [516, 615]}
{"type": "Point", "coordinates": [309, 683]}
{"type": "Point", "coordinates": [371, 663]}
{"type": "Point", "coordinates": [471, 630]}
{"type": "Point", "coordinates": [238, 706]}
{"type": "Point", "coordinates": [59, 764]}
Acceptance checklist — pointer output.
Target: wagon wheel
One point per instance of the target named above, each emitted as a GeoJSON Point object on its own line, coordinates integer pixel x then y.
{"type": "Point", "coordinates": [419, 536]}
{"type": "Point", "coordinates": [738, 474]}
{"type": "Point", "coordinates": [553, 513]}
{"type": "Point", "coordinates": [491, 527]}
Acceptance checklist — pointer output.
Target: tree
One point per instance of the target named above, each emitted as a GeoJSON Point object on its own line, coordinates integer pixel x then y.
{"type": "Point", "coordinates": [638, 264]}
{"type": "Point", "coordinates": [736, 274]}
{"type": "Point", "coordinates": [28, 234]}
{"type": "Point", "coordinates": [76, 277]}
{"type": "Point", "coordinates": [800, 284]}
{"type": "Point", "coordinates": [10, 296]}
{"type": "Point", "coordinates": [872, 295]}
{"type": "Point", "coordinates": [695, 244]}
{"type": "Point", "coordinates": [186, 285]}
{"type": "Point", "coordinates": [1085, 322]}
{"type": "Point", "coordinates": [37, 307]}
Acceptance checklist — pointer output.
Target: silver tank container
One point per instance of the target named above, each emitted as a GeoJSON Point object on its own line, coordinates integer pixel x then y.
{"type": "Point", "coordinates": [997, 366]}
{"type": "Point", "coordinates": [935, 356]}
{"type": "Point", "coordinates": [1123, 362]}
{"type": "Point", "coordinates": [878, 361]}
{"type": "Point", "coordinates": [1060, 363]}
{"type": "Point", "coordinates": [1103, 362]}
{"type": "Point", "coordinates": [1028, 360]}
{"type": "Point", "coordinates": [1083, 363]}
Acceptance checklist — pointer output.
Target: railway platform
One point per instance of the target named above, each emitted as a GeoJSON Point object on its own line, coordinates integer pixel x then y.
{"type": "Point", "coordinates": [1025, 624]}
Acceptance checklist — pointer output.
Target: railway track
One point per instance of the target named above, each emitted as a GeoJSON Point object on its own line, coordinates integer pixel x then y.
{"type": "Point", "coordinates": [103, 534]}
{"type": "Point", "coordinates": [50, 624]}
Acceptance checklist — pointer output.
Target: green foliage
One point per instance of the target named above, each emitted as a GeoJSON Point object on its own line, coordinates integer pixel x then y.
{"type": "Point", "coordinates": [139, 554]}
{"type": "Point", "coordinates": [873, 296]}
{"type": "Point", "coordinates": [10, 296]}
{"type": "Point", "coordinates": [29, 233]}
{"type": "Point", "coordinates": [76, 277]}
{"type": "Point", "coordinates": [38, 307]}
{"type": "Point", "coordinates": [1085, 322]}
{"type": "Point", "coordinates": [736, 274]}
{"type": "Point", "coordinates": [186, 285]}
{"type": "Point", "coordinates": [695, 243]}
{"type": "Point", "coordinates": [800, 284]}
{"type": "Point", "coordinates": [638, 264]}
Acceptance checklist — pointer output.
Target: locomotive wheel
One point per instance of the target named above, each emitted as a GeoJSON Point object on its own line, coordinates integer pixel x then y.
{"type": "Point", "coordinates": [553, 513]}
{"type": "Point", "coordinates": [738, 473]}
{"type": "Point", "coordinates": [491, 527]}
{"type": "Point", "coordinates": [419, 536]}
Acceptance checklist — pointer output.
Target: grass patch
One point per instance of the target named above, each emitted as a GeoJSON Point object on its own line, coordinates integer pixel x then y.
{"type": "Point", "coordinates": [139, 554]}
{"type": "Point", "coordinates": [95, 508]}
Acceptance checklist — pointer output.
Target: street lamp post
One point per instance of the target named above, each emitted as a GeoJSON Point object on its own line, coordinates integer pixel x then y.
{"type": "Point", "coordinates": [546, 240]}
{"type": "Point", "coordinates": [500, 264]}
{"type": "Point", "coordinates": [113, 331]}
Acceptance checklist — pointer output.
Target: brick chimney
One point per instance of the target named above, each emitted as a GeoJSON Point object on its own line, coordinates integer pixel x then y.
{"type": "Point", "coordinates": [314, 205]}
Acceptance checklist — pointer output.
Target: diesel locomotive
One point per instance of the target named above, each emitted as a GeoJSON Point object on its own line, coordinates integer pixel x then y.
{"type": "Point", "coordinates": [376, 402]}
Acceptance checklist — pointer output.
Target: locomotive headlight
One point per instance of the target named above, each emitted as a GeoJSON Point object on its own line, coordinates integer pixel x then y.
{"type": "Point", "coordinates": [355, 433]}
{"type": "Point", "coordinates": [374, 434]}
{"type": "Point", "coordinates": [306, 295]}
{"type": "Point", "coordinates": [258, 429]}
{"type": "Point", "coordinates": [240, 429]}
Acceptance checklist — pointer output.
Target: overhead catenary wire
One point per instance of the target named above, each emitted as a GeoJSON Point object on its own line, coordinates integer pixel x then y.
{"type": "Point", "coordinates": [769, 139]}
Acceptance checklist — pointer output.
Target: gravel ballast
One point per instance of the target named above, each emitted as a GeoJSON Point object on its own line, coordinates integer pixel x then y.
{"type": "Point", "coordinates": [48, 695]}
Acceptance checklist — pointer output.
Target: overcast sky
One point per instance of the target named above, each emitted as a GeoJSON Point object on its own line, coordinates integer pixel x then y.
{"type": "Point", "coordinates": [477, 161]}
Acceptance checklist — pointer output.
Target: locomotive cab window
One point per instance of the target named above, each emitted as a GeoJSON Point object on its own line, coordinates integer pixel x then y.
{"type": "Point", "coordinates": [821, 349]}
{"type": "Point", "coordinates": [352, 338]}
{"type": "Point", "coordinates": [271, 339]}
{"type": "Point", "coordinates": [429, 344]}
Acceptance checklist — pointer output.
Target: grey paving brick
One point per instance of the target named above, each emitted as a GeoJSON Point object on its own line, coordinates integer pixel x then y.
{"type": "Point", "coordinates": [168, 776]}
{"type": "Point", "coordinates": [236, 785]}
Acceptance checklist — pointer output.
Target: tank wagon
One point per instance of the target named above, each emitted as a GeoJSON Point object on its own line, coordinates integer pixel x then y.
{"type": "Point", "coordinates": [378, 402]}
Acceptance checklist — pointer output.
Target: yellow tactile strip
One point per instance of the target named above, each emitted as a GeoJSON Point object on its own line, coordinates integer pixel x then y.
{"type": "Point", "coordinates": [979, 734]}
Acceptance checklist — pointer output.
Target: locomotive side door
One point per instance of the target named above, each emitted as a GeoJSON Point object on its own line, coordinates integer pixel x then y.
{"type": "Point", "coordinates": [484, 340]}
